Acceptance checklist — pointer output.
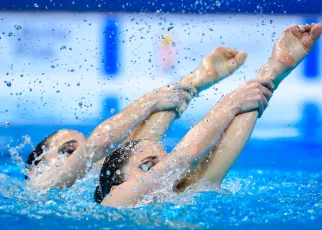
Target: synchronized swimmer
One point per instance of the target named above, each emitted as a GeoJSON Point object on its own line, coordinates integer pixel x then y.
{"type": "Point", "coordinates": [141, 165]}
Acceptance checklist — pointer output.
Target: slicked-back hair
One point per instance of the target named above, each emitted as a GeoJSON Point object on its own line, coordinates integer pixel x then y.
{"type": "Point", "coordinates": [33, 158]}
{"type": "Point", "coordinates": [112, 173]}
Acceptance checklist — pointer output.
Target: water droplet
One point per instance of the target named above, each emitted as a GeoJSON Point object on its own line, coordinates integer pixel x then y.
{"type": "Point", "coordinates": [9, 84]}
{"type": "Point", "coordinates": [218, 3]}
{"type": "Point", "coordinates": [112, 110]}
{"type": "Point", "coordinates": [18, 27]}
{"type": "Point", "coordinates": [80, 103]}
{"type": "Point", "coordinates": [234, 63]}
{"type": "Point", "coordinates": [108, 172]}
{"type": "Point", "coordinates": [10, 34]}
{"type": "Point", "coordinates": [78, 84]}
{"type": "Point", "coordinates": [170, 28]}
{"type": "Point", "coordinates": [173, 44]}
{"type": "Point", "coordinates": [6, 124]}
{"type": "Point", "coordinates": [36, 5]}
{"type": "Point", "coordinates": [118, 172]}
{"type": "Point", "coordinates": [63, 48]}
{"type": "Point", "coordinates": [134, 189]}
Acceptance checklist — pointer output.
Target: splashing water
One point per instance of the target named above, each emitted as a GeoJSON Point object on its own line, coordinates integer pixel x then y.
{"type": "Point", "coordinates": [255, 197]}
{"type": "Point", "coordinates": [258, 197]}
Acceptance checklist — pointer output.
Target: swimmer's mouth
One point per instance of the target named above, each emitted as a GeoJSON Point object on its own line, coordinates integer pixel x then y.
{"type": "Point", "coordinates": [68, 147]}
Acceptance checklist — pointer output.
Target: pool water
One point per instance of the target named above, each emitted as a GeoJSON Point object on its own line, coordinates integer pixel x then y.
{"type": "Point", "coordinates": [265, 197]}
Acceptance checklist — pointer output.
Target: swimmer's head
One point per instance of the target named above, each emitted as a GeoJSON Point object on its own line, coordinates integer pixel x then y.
{"type": "Point", "coordinates": [129, 162]}
{"type": "Point", "coordinates": [62, 142]}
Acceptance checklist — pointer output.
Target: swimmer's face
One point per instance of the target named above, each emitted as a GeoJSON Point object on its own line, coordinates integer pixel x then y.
{"type": "Point", "coordinates": [147, 154]}
{"type": "Point", "coordinates": [62, 144]}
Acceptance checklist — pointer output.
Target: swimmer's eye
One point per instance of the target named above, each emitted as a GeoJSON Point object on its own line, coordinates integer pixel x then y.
{"type": "Point", "coordinates": [68, 147]}
{"type": "Point", "coordinates": [146, 166]}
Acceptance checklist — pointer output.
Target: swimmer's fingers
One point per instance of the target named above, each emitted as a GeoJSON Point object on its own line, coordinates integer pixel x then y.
{"type": "Point", "coordinates": [267, 82]}
{"type": "Point", "coordinates": [181, 108]}
{"type": "Point", "coordinates": [262, 105]}
{"type": "Point", "coordinates": [191, 89]}
{"type": "Point", "coordinates": [187, 96]}
{"type": "Point", "coordinates": [265, 91]}
{"type": "Point", "coordinates": [236, 61]}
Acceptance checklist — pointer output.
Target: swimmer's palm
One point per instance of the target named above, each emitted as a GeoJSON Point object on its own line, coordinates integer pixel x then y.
{"type": "Point", "coordinates": [294, 46]}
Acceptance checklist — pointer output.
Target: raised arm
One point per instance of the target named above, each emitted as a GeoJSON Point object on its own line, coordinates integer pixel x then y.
{"type": "Point", "coordinates": [219, 64]}
{"type": "Point", "coordinates": [294, 45]}
{"type": "Point", "coordinates": [108, 135]}
{"type": "Point", "coordinates": [192, 148]}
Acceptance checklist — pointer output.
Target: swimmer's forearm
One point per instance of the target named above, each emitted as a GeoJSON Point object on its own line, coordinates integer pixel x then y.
{"type": "Point", "coordinates": [155, 127]}
{"type": "Point", "coordinates": [234, 140]}
{"type": "Point", "coordinates": [113, 131]}
{"type": "Point", "coordinates": [103, 139]}
{"type": "Point", "coordinates": [205, 135]}
{"type": "Point", "coordinates": [157, 124]}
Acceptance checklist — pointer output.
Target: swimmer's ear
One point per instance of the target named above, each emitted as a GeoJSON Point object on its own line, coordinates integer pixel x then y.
{"type": "Point", "coordinates": [114, 187]}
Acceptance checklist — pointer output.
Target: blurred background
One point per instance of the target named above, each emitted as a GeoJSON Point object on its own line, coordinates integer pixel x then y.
{"type": "Point", "coordinates": [73, 64]}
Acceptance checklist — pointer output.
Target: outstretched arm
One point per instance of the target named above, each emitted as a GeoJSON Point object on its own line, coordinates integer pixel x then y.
{"type": "Point", "coordinates": [294, 45]}
{"type": "Point", "coordinates": [192, 148]}
{"type": "Point", "coordinates": [220, 63]}
{"type": "Point", "coordinates": [107, 136]}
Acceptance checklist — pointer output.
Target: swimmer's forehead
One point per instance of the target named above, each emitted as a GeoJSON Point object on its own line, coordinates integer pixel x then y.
{"type": "Point", "coordinates": [148, 148]}
{"type": "Point", "coordinates": [64, 136]}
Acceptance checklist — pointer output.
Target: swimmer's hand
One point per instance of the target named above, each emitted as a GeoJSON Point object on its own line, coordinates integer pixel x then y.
{"type": "Point", "coordinates": [220, 63]}
{"type": "Point", "coordinates": [254, 95]}
{"type": "Point", "coordinates": [170, 97]}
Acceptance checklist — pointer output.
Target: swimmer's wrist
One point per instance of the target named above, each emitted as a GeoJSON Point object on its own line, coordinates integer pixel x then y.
{"type": "Point", "coordinates": [147, 103]}
{"type": "Point", "coordinates": [188, 81]}
{"type": "Point", "coordinates": [269, 70]}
